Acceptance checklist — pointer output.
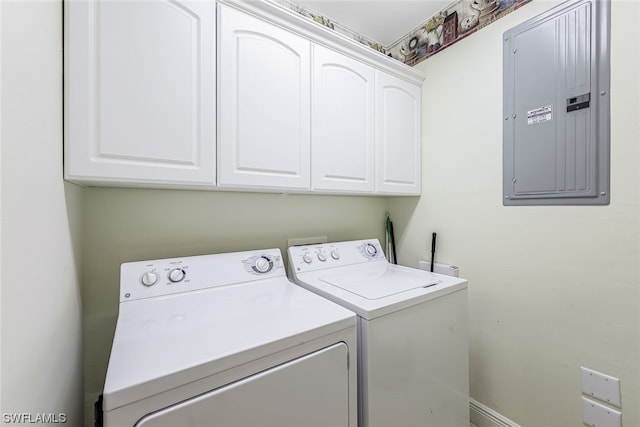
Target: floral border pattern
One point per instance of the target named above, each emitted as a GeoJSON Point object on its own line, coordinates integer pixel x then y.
{"type": "Point", "coordinates": [455, 22]}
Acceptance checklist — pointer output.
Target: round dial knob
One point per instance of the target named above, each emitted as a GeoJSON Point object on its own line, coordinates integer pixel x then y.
{"type": "Point", "coordinates": [149, 278]}
{"type": "Point", "coordinates": [176, 275]}
{"type": "Point", "coordinates": [322, 257]}
{"type": "Point", "coordinates": [371, 250]}
{"type": "Point", "coordinates": [262, 265]}
{"type": "Point", "coordinates": [335, 254]}
{"type": "Point", "coordinates": [307, 259]}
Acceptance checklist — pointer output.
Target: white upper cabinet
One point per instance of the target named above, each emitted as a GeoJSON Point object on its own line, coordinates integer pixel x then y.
{"type": "Point", "coordinates": [233, 94]}
{"type": "Point", "coordinates": [140, 92]}
{"type": "Point", "coordinates": [343, 123]}
{"type": "Point", "coordinates": [264, 104]}
{"type": "Point", "coordinates": [398, 136]}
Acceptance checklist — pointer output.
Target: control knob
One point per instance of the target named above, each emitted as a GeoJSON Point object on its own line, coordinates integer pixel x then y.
{"type": "Point", "coordinates": [307, 259]}
{"type": "Point", "coordinates": [262, 265]}
{"type": "Point", "coordinates": [177, 275]}
{"type": "Point", "coordinates": [149, 278]}
{"type": "Point", "coordinates": [322, 257]}
{"type": "Point", "coordinates": [371, 250]}
{"type": "Point", "coordinates": [335, 254]}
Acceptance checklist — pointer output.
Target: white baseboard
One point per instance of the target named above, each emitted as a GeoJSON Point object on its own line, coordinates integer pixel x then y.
{"type": "Point", "coordinates": [483, 416]}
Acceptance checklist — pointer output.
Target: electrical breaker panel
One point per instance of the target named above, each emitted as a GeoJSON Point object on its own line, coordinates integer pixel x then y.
{"type": "Point", "coordinates": [556, 107]}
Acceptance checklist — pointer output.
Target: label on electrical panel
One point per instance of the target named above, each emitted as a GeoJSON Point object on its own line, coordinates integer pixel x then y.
{"type": "Point", "coordinates": [540, 114]}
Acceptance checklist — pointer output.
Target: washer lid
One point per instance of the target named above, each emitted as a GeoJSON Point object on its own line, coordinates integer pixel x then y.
{"type": "Point", "coordinates": [376, 288]}
{"type": "Point", "coordinates": [164, 342]}
{"type": "Point", "coordinates": [376, 283]}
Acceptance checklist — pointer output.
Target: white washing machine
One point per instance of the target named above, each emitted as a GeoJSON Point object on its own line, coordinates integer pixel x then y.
{"type": "Point", "coordinates": [227, 340]}
{"type": "Point", "coordinates": [413, 363]}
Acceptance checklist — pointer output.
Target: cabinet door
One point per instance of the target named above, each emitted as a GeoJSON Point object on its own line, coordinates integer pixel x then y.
{"type": "Point", "coordinates": [342, 143]}
{"type": "Point", "coordinates": [140, 92]}
{"type": "Point", "coordinates": [398, 135]}
{"type": "Point", "coordinates": [264, 104]}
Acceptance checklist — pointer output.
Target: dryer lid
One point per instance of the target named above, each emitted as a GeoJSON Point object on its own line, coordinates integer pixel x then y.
{"type": "Point", "coordinates": [164, 342]}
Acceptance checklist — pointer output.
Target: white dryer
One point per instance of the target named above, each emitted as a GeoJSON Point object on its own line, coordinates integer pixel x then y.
{"type": "Point", "coordinates": [413, 363]}
{"type": "Point", "coordinates": [226, 340]}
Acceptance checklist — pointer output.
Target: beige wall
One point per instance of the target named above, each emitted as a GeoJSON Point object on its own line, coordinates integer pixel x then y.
{"type": "Point", "coordinates": [128, 224]}
{"type": "Point", "coordinates": [41, 312]}
{"type": "Point", "coordinates": [551, 288]}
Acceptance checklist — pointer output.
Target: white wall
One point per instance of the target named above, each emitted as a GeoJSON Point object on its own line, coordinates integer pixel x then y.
{"type": "Point", "coordinates": [551, 288]}
{"type": "Point", "coordinates": [41, 311]}
{"type": "Point", "coordinates": [133, 224]}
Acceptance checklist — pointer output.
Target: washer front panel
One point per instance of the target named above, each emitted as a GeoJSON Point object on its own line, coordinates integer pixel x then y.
{"type": "Point", "coordinates": [432, 368]}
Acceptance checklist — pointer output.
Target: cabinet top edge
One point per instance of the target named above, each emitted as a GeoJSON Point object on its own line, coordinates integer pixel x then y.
{"type": "Point", "coordinates": [288, 19]}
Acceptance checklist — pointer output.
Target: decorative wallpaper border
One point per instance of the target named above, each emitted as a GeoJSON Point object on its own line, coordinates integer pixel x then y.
{"type": "Point", "coordinates": [455, 22]}
{"type": "Point", "coordinates": [323, 20]}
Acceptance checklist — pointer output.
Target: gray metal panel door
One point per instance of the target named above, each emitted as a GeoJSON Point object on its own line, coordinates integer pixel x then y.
{"type": "Point", "coordinates": [556, 80]}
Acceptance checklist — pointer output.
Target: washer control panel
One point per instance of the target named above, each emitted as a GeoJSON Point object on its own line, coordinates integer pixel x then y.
{"type": "Point", "coordinates": [145, 279]}
{"type": "Point", "coordinates": [330, 255]}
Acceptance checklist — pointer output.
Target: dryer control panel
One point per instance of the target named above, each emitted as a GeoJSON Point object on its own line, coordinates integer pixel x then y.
{"type": "Point", "coordinates": [145, 279]}
{"type": "Point", "coordinates": [330, 255]}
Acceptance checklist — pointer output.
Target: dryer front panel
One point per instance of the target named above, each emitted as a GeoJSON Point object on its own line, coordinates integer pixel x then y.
{"type": "Point", "coordinates": [312, 391]}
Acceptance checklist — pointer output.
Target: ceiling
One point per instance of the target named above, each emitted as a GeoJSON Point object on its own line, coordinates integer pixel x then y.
{"type": "Point", "coordinates": [383, 21]}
